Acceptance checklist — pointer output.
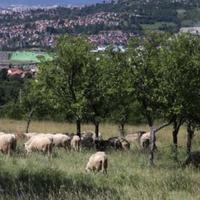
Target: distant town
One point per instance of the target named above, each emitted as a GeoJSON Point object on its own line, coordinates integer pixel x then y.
{"type": "Point", "coordinates": [27, 32]}
{"type": "Point", "coordinates": [112, 22]}
{"type": "Point", "coordinates": [43, 32]}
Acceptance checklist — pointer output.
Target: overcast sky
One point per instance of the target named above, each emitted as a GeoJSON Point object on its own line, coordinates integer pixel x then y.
{"type": "Point", "coordinates": [47, 2]}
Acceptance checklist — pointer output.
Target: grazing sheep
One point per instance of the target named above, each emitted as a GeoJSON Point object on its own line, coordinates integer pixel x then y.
{"type": "Point", "coordinates": [39, 143]}
{"type": "Point", "coordinates": [102, 145]}
{"type": "Point", "coordinates": [125, 144]}
{"type": "Point", "coordinates": [8, 143]}
{"type": "Point", "coordinates": [76, 142]}
{"type": "Point", "coordinates": [30, 135]}
{"type": "Point", "coordinates": [97, 162]}
{"type": "Point", "coordinates": [88, 139]}
{"type": "Point", "coordinates": [145, 141]}
{"type": "Point", "coordinates": [61, 140]}
{"type": "Point", "coordinates": [115, 143]}
{"type": "Point", "coordinates": [87, 134]}
{"type": "Point", "coordinates": [134, 137]}
{"type": "Point", "coordinates": [87, 142]}
{"type": "Point", "coordinates": [71, 135]}
{"type": "Point", "coordinates": [193, 158]}
{"type": "Point", "coordinates": [50, 136]}
{"type": "Point", "coordinates": [91, 134]}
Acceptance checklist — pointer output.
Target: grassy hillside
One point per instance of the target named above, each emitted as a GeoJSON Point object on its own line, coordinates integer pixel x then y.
{"type": "Point", "coordinates": [129, 176]}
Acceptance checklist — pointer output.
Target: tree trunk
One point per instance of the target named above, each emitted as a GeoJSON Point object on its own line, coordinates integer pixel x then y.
{"type": "Point", "coordinates": [96, 129]}
{"type": "Point", "coordinates": [175, 144]}
{"type": "Point", "coordinates": [152, 137]}
{"type": "Point", "coordinates": [122, 129]}
{"type": "Point", "coordinates": [153, 132]}
{"type": "Point", "coordinates": [176, 128]}
{"type": "Point", "coordinates": [78, 127]}
{"type": "Point", "coordinates": [190, 134]}
{"type": "Point", "coordinates": [29, 120]}
{"type": "Point", "coordinates": [152, 145]}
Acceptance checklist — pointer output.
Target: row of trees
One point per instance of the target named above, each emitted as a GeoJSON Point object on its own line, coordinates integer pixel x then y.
{"type": "Point", "coordinates": [159, 75]}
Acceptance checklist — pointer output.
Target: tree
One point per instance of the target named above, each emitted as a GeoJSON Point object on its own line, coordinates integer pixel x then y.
{"type": "Point", "coordinates": [10, 90]}
{"type": "Point", "coordinates": [3, 74]}
{"type": "Point", "coordinates": [65, 76]}
{"type": "Point", "coordinates": [181, 83]}
{"type": "Point", "coordinates": [145, 82]}
{"type": "Point", "coordinates": [95, 90]}
{"type": "Point", "coordinates": [36, 100]}
{"type": "Point", "coordinates": [117, 79]}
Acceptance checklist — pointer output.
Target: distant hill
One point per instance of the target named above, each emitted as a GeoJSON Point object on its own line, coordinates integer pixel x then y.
{"type": "Point", "coordinates": [4, 3]}
{"type": "Point", "coordinates": [163, 15]}
{"type": "Point", "coordinates": [113, 22]}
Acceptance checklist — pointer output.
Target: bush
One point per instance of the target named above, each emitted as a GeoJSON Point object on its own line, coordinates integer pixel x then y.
{"type": "Point", "coordinates": [12, 110]}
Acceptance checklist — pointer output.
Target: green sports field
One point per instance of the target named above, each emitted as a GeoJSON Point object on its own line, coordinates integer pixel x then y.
{"type": "Point", "coordinates": [28, 56]}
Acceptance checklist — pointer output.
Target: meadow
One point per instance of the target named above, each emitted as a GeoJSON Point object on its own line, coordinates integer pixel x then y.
{"type": "Point", "coordinates": [129, 176]}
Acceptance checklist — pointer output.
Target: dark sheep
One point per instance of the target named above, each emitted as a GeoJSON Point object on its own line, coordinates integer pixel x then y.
{"type": "Point", "coordinates": [115, 143]}
{"type": "Point", "coordinates": [193, 158]}
{"type": "Point", "coordinates": [87, 142]}
{"type": "Point", "coordinates": [102, 145]}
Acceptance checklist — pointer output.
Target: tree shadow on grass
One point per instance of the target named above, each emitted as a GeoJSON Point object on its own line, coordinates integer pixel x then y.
{"type": "Point", "coordinates": [45, 182]}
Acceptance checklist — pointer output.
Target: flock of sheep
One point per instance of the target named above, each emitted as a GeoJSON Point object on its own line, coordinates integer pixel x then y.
{"type": "Point", "coordinates": [97, 162]}
{"type": "Point", "coordinates": [46, 142]}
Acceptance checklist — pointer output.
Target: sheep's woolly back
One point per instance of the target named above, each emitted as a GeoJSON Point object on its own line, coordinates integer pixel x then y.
{"type": "Point", "coordinates": [97, 162]}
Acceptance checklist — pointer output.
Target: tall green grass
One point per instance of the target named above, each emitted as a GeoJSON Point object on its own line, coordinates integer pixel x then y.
{"type": "Point", "coordinates": [129, 176]}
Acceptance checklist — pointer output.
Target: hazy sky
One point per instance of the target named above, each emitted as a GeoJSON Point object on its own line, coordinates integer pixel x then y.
{"type": "Point", "coordinates": [47, 2]}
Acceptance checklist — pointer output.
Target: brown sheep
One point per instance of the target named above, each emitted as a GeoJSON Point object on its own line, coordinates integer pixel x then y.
{"type": "Point", "coordinates": [76, 143]}
{"type": "Point", "coordinates": [8, 143]}
{"type": "Point", "coordinates": [97, 162]}
{"type": "Point", "coordinates": [40, 143]}
{"type": "Point", "coordinates": [90, 134]}
{"type": "Point", "coordinates": [125, 144]}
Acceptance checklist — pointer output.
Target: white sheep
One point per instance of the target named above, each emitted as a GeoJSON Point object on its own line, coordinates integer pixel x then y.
{"type": "Point", "coordinates": [62, 140]}
{"type": "Point", "coordinates": [8, 143]}
{"type": "Point", "coordinates": [97, 162]}
{"type": "Point", "coordinates": [40, 143]}
{"type": "Point", "coordinates": [76, 142]}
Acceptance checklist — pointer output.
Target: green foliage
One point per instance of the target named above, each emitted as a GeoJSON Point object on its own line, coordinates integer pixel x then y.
{"type": "Point", "coordinates": [95, 89]}
{"type": "Point", "coordinates": [36, 100]}
{"type": "Point", "coordinates": [10, 96]}
{"type": "Point", "coordinates": [147, 81]}
{"type": "Point", "coordinates": [13, 110]}
{"type": "Point", "coordinates": [145, 73]}
{"type": "Point", "coordinates": [64, 78]}
{"type": "Point", "coordinates": [116, 78]}
{"type": "Point", "coordinates": [181, 72]}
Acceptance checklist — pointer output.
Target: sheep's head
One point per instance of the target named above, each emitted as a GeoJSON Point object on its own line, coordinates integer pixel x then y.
{"type": "Point", "coordinates": [87, 169]}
